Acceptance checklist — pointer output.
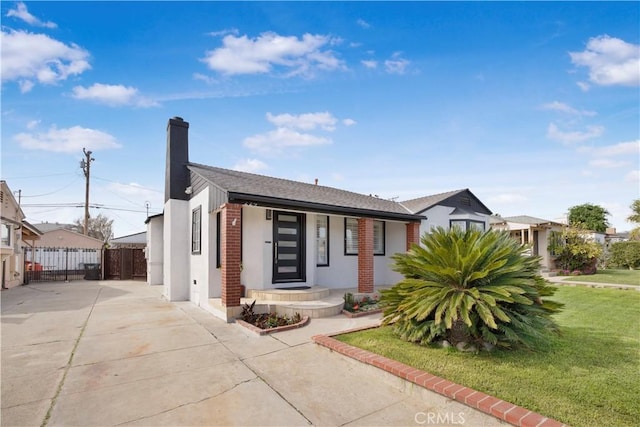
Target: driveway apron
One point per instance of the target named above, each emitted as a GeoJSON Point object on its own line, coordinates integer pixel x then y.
{"type": "Point", "coordinates": [112, 353]}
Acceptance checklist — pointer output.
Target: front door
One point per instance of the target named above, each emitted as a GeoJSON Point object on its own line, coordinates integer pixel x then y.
{"type": "Point", "coordinates": [288, 247]}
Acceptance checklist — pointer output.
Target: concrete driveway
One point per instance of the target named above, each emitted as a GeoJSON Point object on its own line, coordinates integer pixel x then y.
{"type": "Point", "coordinates": [113, 353]}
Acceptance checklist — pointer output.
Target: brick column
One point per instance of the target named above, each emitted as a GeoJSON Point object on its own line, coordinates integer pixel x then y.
{"type": "Point", "coordinates": [231, 224]}
{"type": "Point", "coordinates": [413, 234]}
{"type": "Point", "coordinates": [365, 255]}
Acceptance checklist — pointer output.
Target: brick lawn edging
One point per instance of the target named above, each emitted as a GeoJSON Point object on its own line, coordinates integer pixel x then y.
{"type": "Point", "coordinates": [506, 411]}
{"type": "Point", "coordinates": [351, 315]}
{"type": "Point", "coordinates": [254, 328]}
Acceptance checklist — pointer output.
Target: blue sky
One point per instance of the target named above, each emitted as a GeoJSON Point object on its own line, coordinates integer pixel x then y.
{"type": "Point", "coordinates": [533, 106]}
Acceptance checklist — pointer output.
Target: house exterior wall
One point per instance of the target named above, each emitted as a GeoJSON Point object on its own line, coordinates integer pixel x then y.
{"type": "Point", "coordinates": [199, 262]}
{"type": "Point", "coordinates": [177, 239]}
{"type": "Point", "coordinates": [154, 251]}
{"type": "Point", "coordinates": [342, 271]}
{"type": "Point", "coordinates": [12, 259]}
{"type": "Point", "coordinates": [67, 239]}
{"type": "Point", "coordinates": [395, 242]}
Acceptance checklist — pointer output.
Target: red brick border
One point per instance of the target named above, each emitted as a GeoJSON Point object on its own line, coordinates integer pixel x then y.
{"type": "Point", "coordinates": [361, 313]}
{"type": "Point", "coordinates": [503, 410]}
{"type": "Point", "coordinates": [253, 328]}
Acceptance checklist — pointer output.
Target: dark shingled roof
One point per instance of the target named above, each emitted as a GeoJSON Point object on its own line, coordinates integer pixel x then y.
{"type": "Point", "coordinates": [421, 204]}
{"type": "Point", "coordinates": [243, 186]}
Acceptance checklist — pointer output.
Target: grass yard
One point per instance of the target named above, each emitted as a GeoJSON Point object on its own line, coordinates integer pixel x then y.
{"type": "Point", "coordinates": [589, 376]}
{"type": "Point", "coordinates": [617, 277]}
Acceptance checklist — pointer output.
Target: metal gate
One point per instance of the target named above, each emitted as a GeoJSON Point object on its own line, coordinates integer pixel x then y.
{"type": "Point", "coordinates": [57, 264]}
{"type": "Point", "coordinates": [125, 264]}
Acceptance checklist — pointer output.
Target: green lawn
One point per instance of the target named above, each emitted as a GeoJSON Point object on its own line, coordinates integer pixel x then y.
{"type": "Point", "coordinates": [618, 277]}
{"type": "Point", "coordinates": [589, 376]}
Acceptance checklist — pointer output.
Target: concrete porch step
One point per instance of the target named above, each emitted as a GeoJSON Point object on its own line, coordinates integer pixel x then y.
{"type": "Point", "coordinates": [325, 307]}
{"type": "Point", "coordinates": [312, 294]}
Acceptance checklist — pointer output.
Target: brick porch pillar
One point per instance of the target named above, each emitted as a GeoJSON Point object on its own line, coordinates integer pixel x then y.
{"type": "Point", "coordinates": [413, 234]}
{"type": "Point", "coordinates": [231, 224]}
{"type": "Point", "coordinates": [365, 255]}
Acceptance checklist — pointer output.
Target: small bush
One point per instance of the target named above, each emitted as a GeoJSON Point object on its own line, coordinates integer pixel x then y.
{"type": "Point", "coordinates": [625, 255]}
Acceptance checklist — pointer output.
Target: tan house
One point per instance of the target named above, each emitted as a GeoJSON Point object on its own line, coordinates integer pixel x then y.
{"type": "Point", "coordinates": [16, 235]}
{"type": "Point", "coordinates": [532, 231]}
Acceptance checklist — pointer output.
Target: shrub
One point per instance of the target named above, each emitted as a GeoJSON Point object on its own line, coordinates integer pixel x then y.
{"type": "Point", "coordinates": [470, 287]}
{"type": "Point", "coordinates": [625, 255]}
{"type": "Point", "coordinates": [572, 251]}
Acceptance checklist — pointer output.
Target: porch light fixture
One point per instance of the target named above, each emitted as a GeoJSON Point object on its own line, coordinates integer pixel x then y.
{"type": "Point", "coordinates": [268, 214]}
{"type": "Point", "coordinates": [233, 223]}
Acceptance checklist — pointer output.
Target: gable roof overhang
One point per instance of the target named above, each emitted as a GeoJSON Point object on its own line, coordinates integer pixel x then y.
{"type": "Point", "coordinates": [270, 192]}
{"type": "Point", "coordinates": [280, 203]}
{"type": "Point", "coordinates": [449, 198]}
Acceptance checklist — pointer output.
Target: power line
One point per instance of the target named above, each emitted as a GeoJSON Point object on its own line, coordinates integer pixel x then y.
{"type": "Point", "coordinates": [56, 191]}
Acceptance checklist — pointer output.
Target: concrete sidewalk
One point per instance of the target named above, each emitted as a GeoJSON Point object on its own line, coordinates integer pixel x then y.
{"type": "Point", "coordinates": [575, 281]}
{"type": "Point", "coordinates": [116, 353]}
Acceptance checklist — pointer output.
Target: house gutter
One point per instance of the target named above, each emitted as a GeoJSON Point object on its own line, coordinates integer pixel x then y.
{"type": "Point", "coordinates": [278, 203]}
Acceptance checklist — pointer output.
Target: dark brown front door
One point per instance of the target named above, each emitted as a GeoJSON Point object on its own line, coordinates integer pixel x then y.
{"type": "Point", "coordinates": [288, 247]}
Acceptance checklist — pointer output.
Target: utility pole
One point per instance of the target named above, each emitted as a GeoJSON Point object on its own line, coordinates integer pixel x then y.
{"type": "Point", "coordinates": [85, 164]}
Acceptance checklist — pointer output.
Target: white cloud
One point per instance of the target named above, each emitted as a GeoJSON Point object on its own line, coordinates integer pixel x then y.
{"type": "Point", "coordinates": [633, 177]}
{"type": "Point", "coordinates": [208, 80]}
{"type": "Point", "coordinates": [611, 61]}
{"type": "Point", "coordinates": [507, 198]}
{"type": "Point", "coordinates": [565, 108]}
{"type": "Point", "coordinates": [363, 24]}
{"type": "Point", "coordinates": [607, 163]}
{"type": "Point", "coordinates": [349, 122]}
{"type": "Point", "coordinates": [22, 13]}
{"type": "Point", "coordinates": [112, 95]}
{"type": "Point", "coordinates": [70, 140]}
{"type": "Point", "coordinates": [622, 148]}
{"type": "Point", "coordinates": [33, 124]}
{"type": "Point", "coordinates": [224, 32]}
{"type": "Point", "coordinates": [370, 63]}
{"type": "Point", "coordinates": [307, 121]}
{"type": "Point", "coordinates": [137, 193]}
{"type": "Point", "coordinates": [28, 57]}
{"type": "Point", "coordinates": [250, 165]}
{"type": "Point", "coordinates": [396, 65]}
{"type": "Point", "coordinates": [274, 141]}
{"type": "Point", "coordinates": [300, 56]}
{"type": "Point", "coordinates": [573, 137]}
{"type": "Point", "coordinates": [583, 86]}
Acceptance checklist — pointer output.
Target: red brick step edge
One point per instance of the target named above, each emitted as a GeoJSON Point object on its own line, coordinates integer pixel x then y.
{"type": "Point", "coordinates": [513, 414]}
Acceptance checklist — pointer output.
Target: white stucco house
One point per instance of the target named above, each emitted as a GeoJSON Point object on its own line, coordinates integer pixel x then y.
{"type": "Point", "coordinates": [225, 233]}
{"type": "Point", "coordinates": [533, 231]}
{"type": "Point", "coordinates": [17, 234]}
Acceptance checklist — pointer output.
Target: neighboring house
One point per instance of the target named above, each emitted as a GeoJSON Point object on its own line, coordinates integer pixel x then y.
{"type": "Point", "coordinates": [459, 208]}
{"type": "Point", "coordinates": [131, 241]}
{"type": "Point", "coordinates": [61, 248]}
{"type": "Point", "coordinates": [530, 230]}
{"type": "Point", "coordinates": [16, 234]}
{"type": "Point", "coordinates": [223, 230]}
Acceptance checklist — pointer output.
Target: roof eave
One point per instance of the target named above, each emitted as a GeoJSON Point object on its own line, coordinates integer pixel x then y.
{"type": "Point", "coordinates": [279, 203]}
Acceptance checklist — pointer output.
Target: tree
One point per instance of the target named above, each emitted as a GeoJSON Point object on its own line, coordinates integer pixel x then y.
{"type": "Point", "coordinates": [635, 208]}
{"type": "Point", "coordinates": [100, 227]}
{"type": "Point", "coordinates": [471, 287]}
{"type": "Point", "coordinates": [625, 255]}
{"type": "Point", "coordinates": [589, 216]}
{"type": "Point", "coordinates": [635, 217]}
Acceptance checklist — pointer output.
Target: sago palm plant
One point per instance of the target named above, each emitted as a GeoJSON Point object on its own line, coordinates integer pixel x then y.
{"type": "Point", "coordinates": [473, 287]}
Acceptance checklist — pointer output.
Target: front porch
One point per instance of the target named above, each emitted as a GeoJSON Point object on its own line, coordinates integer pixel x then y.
{"type": "Point", "coordinates": [315, 302]}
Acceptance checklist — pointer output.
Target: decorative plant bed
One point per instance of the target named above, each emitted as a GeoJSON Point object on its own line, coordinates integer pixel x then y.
{"type": "Point", "coordinates": [357, 306]}
{"type": "Point", "coordinates": [268, 323]}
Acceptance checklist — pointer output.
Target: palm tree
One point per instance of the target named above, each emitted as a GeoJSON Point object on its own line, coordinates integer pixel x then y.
{"type": "Point", "coordinates": [471, 287]}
